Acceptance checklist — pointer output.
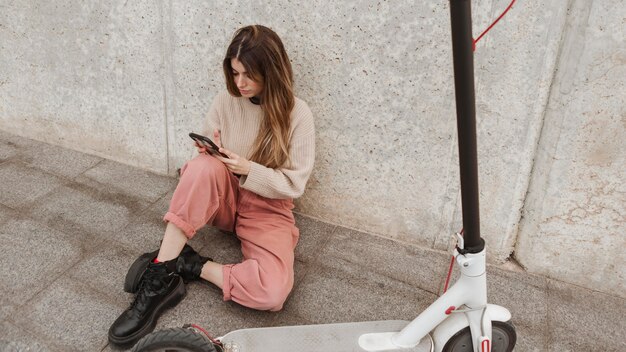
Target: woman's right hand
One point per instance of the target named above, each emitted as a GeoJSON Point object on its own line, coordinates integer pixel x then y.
{"type": "Point", "coordinates": [201, 149]}
{"type": "Point", "coordinates": [216, 139]}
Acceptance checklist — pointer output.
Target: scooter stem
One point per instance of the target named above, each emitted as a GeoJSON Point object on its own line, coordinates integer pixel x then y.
{"type": "Point", "coordinates": [463, 61]}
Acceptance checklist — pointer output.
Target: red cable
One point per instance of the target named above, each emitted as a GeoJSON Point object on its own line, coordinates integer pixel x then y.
{"type": "Point", "coordinates": [214, 341]}
{"type": "Point", "coordinates": [491, 26]}
{"type": "Point", "coordinates": [445, 287]}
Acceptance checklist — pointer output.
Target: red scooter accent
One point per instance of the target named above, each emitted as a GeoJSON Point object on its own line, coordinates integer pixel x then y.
{"type": "Point", "coordinates": [485, 346]}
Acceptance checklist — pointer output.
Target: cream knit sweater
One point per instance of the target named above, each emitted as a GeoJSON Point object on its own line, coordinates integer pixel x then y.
{"type": "Point", "coordinates": [238, 121]}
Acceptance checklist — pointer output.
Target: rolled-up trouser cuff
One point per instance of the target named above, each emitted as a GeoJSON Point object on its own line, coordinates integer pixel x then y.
{"type": "Point", "coordinates": [226, 283]}
{"type": "Point", "coordinates": [180, 223]}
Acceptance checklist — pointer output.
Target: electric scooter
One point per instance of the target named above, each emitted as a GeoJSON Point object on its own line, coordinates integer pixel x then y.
{"type": "Point", "coordinates": [460, 320]}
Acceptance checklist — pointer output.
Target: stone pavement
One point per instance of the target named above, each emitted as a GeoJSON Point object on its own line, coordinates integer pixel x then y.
{"type": "Point", "coordinates": [71, 224]}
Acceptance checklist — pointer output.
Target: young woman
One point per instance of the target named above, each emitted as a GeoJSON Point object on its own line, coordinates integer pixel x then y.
{"type": "Point", "coordinates": [268, 137]}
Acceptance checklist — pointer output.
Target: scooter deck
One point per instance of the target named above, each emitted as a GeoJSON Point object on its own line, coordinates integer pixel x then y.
{"type": "Point", "coordinates": [341, 337]}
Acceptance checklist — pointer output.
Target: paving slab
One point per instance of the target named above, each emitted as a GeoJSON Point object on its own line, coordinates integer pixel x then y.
{"type": "Point", "coordinates": [526, 297]}
{"type": "Point", "coordinates": [314, 237]}
{"type": "Point", "coordinates": [17, 339]}
{"type": "Point", "coordinates": [70, 314]}
{"type": "Point", "coordinates": [105, 271]}
{"type": "Point", "coordinates": [36, 254]}
{"type": "Point", "coordinates": [584, 320]}
{"type": "Point", "coordinates": [21, 185]}
{"type": "Point", "coordinates": [415, 266]}
{"type": "Point", "coordinates": [341, 291]}
{"type": "Point", "coordinates": [284, 318]}
{"type": "Point", "coordinates": [76, 208]}
{"type": "Point", "coordinates": [70, 225]}
{"type": "Point", "coordinates": [57, 160]}
{"type": "Point", "coordinates": [128, 180]}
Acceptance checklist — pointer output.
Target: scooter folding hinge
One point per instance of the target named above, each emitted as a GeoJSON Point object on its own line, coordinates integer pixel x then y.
{"type": "Point", "coordinates": [460, 242]}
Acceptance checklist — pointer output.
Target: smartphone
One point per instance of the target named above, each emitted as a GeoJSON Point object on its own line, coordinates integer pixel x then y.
{"type": "Point", "coordinates": [206, 142]}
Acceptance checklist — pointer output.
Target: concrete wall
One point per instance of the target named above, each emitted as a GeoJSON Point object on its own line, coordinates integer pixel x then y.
{"type": "Point", "coordinates": [575, 212]}
{"type": "Point", "coordinates": [128, 80]}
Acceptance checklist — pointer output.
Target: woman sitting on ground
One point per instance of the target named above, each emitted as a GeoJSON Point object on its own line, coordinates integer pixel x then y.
{"type": "Point", "coordinates": [269, 137]}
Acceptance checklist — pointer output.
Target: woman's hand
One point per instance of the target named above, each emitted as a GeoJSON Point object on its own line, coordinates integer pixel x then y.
{"type": "Point", "coordinates": [216, 139]}
{"type": "Point", "coordinates": [234, 163]}
{"type": "Point", "coordinates": [201, 149]}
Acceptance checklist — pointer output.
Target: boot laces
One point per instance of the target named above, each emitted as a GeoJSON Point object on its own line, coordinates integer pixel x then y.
{"type": "Point", "coordinates": [152, 284]}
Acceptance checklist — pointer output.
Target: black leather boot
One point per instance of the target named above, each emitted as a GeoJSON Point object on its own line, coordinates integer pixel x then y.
{"type": "Point", "coordinates": [160, 288]}
{"type": "Point", "coordinates": [189, 268]}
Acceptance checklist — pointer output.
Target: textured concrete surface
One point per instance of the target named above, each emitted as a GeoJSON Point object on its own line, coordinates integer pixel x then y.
{"type": "Point", "coordinates": [62, 273]}
{"type": "Point", "coordinates": [575, 214]}
{"type": "Point", "coordinates": [86, 75]}
{"type": "Point", "coordinates": [128, 80]}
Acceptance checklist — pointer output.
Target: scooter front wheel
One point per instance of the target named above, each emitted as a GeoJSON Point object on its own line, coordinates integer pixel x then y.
{"type": "Point", "coordinates": [175, 340]}
{"type": "Point", "coordinates": [503, 339]}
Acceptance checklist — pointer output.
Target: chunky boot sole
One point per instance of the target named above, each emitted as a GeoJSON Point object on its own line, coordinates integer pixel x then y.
{"type": "Point", "coordinates": [135, 273]}
{"type": "Point", "coordinates": [169, 301]}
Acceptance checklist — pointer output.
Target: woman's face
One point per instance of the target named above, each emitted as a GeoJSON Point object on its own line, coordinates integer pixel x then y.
{"type": "Point", "coordinates": [247, 87]}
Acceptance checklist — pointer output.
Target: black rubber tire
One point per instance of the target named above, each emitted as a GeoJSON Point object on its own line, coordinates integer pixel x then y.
{"type": "Point", "coordinates": [135, 273]}
{"type": "Point", "coordinates": [503, 339]}
{"type": "Point", "coordinates": [175, 339]}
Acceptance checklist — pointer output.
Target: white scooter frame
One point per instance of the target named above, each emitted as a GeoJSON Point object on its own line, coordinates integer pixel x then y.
{"type": "Point", "coordinates": [468, 296]}
{"type": "Point", "coordinates": [465, 304]}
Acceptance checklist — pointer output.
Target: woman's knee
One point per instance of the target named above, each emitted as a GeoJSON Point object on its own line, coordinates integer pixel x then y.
{"type": "Point", "coordinates": [203, 164]}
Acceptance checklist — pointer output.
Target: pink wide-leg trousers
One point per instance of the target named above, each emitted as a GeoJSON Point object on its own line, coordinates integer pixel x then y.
{"type": "Point", "coordinates": [208, 193]}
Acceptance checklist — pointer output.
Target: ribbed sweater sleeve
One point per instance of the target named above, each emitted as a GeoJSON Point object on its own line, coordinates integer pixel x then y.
{"type": "Point", "coordinates": [238, 121]}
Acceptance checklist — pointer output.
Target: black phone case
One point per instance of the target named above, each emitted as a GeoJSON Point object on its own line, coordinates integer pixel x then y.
{"type": "Point", "coordinates": [200, 138]}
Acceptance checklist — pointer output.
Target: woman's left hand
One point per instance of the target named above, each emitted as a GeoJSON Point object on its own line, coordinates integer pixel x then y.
{"type": "Point", "coordinates": [235, 163]}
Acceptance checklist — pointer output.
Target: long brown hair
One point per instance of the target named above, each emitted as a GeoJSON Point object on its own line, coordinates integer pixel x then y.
{"type": "Point", "coordinates": [263, 55]}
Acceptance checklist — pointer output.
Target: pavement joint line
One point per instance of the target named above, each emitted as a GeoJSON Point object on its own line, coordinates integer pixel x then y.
{"type": "Point", "coordinates": [96, 293]}
{"type": "Point", "coordinates": [28, 301]}
{"type": "Point", "coordinates": [34, 166]}
{"type": "Point", "coordinates": [101, 191]}
{"type": "Point", "coordinates": [95, 238]}
{"type": "Point", "coordinates": [114, 299]}
{"type": "Point", "coordinates": [26, 208]}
